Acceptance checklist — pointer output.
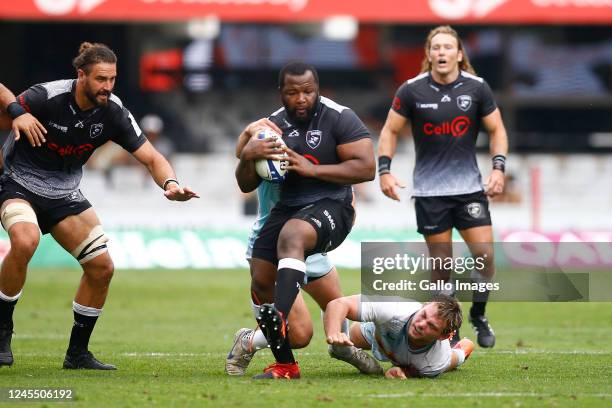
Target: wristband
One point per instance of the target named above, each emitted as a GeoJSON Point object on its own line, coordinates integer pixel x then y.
{"type": "Point", "coordinates": [15, 110]}
{"type": "Point", "coordinates": [499, 162]}
{"type": "Point", "coordinates": [384, 165]}
{"type": "Point", "coordinates": [168, 181]}
{"type": "Point", "coordinates": [460, 355]}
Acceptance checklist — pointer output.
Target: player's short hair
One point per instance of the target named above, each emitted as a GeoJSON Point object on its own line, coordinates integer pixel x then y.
{"type": "Point", "coordinates": [296, 68]}
{"type": "Point", "coordinates": [464, 64]}
{"type": "Point", "coordinates": [90, 54]}
{"type": "Point", "coordinates": [449, 311]}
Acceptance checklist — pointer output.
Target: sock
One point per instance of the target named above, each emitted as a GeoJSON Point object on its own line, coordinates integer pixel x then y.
{"type": "Point", "coordinates": [479, 299]}
{"type": "Point", "coordinates": [258, 341]}
{"type": "Point", "coordinates": [289, 278]}
{"type": "Point", "coordinates": [84, 322]}
{"type": "Point", "coordinates": [7, 306]}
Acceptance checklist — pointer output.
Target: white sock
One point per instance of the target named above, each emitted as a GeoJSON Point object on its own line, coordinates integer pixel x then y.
{"type": "Point", "coordinates": [259, 341]}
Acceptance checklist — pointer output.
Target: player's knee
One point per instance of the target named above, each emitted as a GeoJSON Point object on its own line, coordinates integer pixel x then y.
{"type": "Point", "coordinates": [289, 245]}
{"type": "Point", "coordinates": [100, 271]}
{"type": "Point", "coordinates": [24, 240]}
{"type": "Point", "coordinates": [262, 286]}
{"type": "Point", "coordinates": [300, 336]}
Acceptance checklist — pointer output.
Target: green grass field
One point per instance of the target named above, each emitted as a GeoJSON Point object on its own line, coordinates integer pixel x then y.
{"type": "Point", "coordinates": [169, 332]}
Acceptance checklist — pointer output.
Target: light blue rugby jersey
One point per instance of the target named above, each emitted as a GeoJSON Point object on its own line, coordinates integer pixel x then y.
{"type": "Point", "coordinates": [268, 194]}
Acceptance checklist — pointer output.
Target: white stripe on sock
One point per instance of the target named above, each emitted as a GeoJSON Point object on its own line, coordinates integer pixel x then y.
{"type": "Point", "coordinates": [292, 263]}
{"type": "Point", "coordinates": [8, 298]}
{"type": "Point", "coordinates": [86, 310]}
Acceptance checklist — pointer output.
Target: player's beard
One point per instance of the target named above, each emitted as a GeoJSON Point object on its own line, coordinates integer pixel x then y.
{"type": "Point", "coordinates": [291, 112]}
{"type": "Point", "coordinates": [93, 97]}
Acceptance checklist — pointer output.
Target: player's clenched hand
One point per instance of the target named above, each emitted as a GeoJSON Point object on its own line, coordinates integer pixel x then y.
{"type": "Point", "coordinates": [495, 183]}
{"type": "Point", "coordinates": [339, 339]}
{"type": "Point", "coordinates": [253, 127]}
{"type": "Point", "coordinates": [396, 372]}
{"type": "Point", "coordinates": [299, 164]}
{"type": "Point", "coordinates": [33, 129]}
{"type": "Point", "coordinates": [388, 182]}
{"type": "Point", "coordinates": [178, 193]}
{"type": "Point", "coordinates": [268, 148]}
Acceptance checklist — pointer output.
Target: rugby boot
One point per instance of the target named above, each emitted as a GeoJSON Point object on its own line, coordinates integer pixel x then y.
{"type": "Point", "coordinates": [356, 357]}
{"type": "Point", "coordinates": [281, 371]}
{"type": "Point", "coordinates": [273, 325]}
{"type": "Point", "coordinates": [83, 359]}
{"type": "Point", "coordinates": [484, 333]}
{"type": "Point", "coordinates": [240, 355]}
{"type": "Point", "coordinates": [6, 355]}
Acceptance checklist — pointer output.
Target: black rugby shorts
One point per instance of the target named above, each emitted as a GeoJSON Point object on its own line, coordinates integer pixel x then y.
{"type": "Point", "coordinates": [331, 219]}
{"type": "Point", "coordinates": [49, 212]}
{"type": "Point", "coordinates": [438, 214]}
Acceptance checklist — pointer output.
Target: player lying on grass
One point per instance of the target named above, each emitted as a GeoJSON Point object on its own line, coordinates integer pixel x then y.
{"type": "Point", "coordinates": [414, 337]}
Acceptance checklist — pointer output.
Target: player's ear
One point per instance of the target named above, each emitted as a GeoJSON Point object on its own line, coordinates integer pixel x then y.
{"type": "Point", "coordinates": [81, 74]}
{"type": "Point", "coordinates": [460, 56]}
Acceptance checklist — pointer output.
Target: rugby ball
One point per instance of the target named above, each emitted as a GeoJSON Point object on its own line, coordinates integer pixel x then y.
{"type": "Point", "coordinates": [271, 170]}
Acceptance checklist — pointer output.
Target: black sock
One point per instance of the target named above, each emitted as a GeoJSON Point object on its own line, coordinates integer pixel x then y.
{"type": "Point", "coordinates": [6, 313]}
{"type": "Point", "coordinates": [479, 304]}
{"type": "Point", "coordinates": [289, 279]}
{"type": "Point", "coordinates": [81, 331]}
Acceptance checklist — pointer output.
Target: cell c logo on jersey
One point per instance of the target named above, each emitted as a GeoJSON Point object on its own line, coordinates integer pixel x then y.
{"type": "Point", "coordinates": [313, 138]}
{"type": "Point", "coordinates": [59, 7]}
{"type": "Point", "coordinates": [457, 128]}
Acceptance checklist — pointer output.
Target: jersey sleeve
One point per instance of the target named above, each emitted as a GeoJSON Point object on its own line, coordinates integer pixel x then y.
{"type": "Point", "coordinates": [350, 128]}
{"type": "Point", "coordinates": [33, 100]}
{"type": "Point", "coordinates": [487, 105]}
{"type": "Point", "coordinates": [402, 101]}
{"type": "Point", "coordinates": [128, 135]}
{"type": "Point", "coordinates": [377, 312]}
{"type": "Point", "coordinates": [437, 360]}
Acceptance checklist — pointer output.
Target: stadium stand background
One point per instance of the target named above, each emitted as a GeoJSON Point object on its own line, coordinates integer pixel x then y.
{"type": "Point", "coordinates": [553, 83]}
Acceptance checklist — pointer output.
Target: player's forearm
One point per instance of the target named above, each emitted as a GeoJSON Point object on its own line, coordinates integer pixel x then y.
{"type": "Point", "coordinates": [161, 170]}
{"type": "Point", "coordinates": [6, 97]}
{"type": "Point", "coordinates": [351, 171]}
{"type": "Point", "coordinates": [499, 142]}
{"type": "Point", "coordinates": [335, 313]}
{"type": "Point", "coordinates": [246, 176]}
{"type": "Point", "coordinates": [387, 143]}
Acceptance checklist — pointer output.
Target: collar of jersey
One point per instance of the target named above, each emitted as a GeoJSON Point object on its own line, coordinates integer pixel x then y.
{"type": "Point", "coordinates": [444, 86]}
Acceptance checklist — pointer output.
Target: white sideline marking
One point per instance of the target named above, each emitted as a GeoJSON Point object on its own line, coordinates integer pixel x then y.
{"type": "Point", "coordinates": [485, 394]}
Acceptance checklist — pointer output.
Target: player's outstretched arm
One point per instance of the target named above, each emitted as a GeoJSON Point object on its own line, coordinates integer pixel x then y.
{"type": "Point", "coordinates": [162, 173]}
{"type": "Point", "coordinates": [336, 311]}
{"type": "Point", "coordinates": [459, 353]}
{"type": "Point", "coordinates": [494, 126]}
{"type": "Point", "coordinates": [13, 115]}
{"type": "Point", "coordinates": [387, 145]}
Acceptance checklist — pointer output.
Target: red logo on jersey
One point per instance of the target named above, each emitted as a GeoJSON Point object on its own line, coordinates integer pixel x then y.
{"type": "Point", "coordinates": [70, 150]}
{"type": "Point", "coordinates": [457, 128]}
{"type": "Point", "coordinates": [397, 104]}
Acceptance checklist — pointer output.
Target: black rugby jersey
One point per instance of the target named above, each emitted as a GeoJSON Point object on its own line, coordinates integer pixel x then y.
{"type": "Point", "coordinates": [54, 170]}
{"type": "Point", "coordinates": [445, 122]}
{"type": "Point", "coordinates": [331, 125]}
